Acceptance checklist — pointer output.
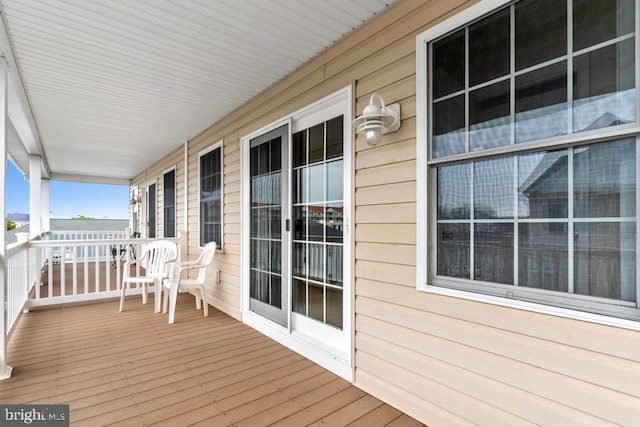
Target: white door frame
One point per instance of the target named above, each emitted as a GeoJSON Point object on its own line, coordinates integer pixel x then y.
{"type": "Point", "coordinates": [338, 360]}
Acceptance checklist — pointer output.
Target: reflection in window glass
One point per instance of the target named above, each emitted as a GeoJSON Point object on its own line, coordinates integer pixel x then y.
{"type": "Point", "coordinates": [493, 188]}
{"type": "Point", "coordinates": [448, 65]}
{"type": "Point", "coordinates": [449, 127]}
{"type": "Point", "coordinates": [605, 260]}
{"type": "Point", "coordinates": [453, 250]}
{"type": "Point", "coordinates": [541, 103]}
{"type": "Point", "coordinates": [318, 212]}
{"type": "Point", "coordinates": [603, 87]}
{"type": "Point", "coordinates": [489, 117]}
{"type": "Point", "coordinates": [605, 180]}
{"type": "Point", "coordinates": [493, 253]}
{"type": "Point", "coordinates": [596, 21]}
{"type": "Point", "coordinates": [543, 256]}
{"type": "Point", "coordinates": [454, 192]}
{"type": "Point", "coordinates": [210, 217]}
{"type": "Point", "coordinates": [540, 40]}
{"type": "Point", "coordinates": [489, 48]}
{"type": "Point", "coordinates": [543, 185]}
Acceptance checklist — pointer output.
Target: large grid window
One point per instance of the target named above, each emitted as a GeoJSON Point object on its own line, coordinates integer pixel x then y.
{"type": "Point", "coordinates": [532, 135]}
{"type": "Point", "coordinates": [169, 203]}
{"type": "Point", "coordinates": [211, 196]}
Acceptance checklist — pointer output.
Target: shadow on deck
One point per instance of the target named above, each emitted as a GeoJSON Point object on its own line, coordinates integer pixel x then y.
{"type": "Point", "coordinates": [133, 368]}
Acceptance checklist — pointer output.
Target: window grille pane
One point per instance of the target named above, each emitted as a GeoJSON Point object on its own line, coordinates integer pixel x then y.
{"type": "Point", "coordinates": [454, 192]}
{"type": "Point", "coordinates": [543, 256]}
{"type": "Point", "coordinates": [493, 188]}
{"type": "Point", "coordinates": [448, 65]}
{"type": "Point", "coordinates": [493, 253]}
{"type": "Point", "coordinates": [210, 196]}
{"type": "Point", "coordinates": [489, 116]}
{"type": "Point", "coordinates": [453, 250]}
{"type": "Point", "coordinates": [543, 183]}
{"type": "Point", "coordinates": [541, 103]}
{"type": "Point", "coordinates": [449, 127]}
{"type": "Point", "coordinates": [540, 31]}
{"type": "Point", "coordinates": [596, 21]}
{"type": "Point", "coordinates": [604, 87]}
{"type": "Point", "coordinates": [299, 299]}
{"type": "Point", "coordinates": [334, 307]}
{"type": "Point", "coordinates": [605, 260]}
{"type": "Point", "coordinates": [489, 48]}
{"type": "Point", "coordinates": [605, 180]}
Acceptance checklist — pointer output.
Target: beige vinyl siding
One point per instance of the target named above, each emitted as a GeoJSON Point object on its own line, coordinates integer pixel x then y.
{"type": "Point", "coordinates": [443, 360]}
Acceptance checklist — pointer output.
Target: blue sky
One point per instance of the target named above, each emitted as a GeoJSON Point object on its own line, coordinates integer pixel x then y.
{"type": "Point", "coordinates": [69, 199]}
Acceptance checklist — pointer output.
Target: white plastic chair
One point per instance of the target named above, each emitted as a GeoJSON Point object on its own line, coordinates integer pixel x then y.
{"type": "Point", "coordinates": [180, 281]}
{"type": "Point", "coordinates": [155, 260]}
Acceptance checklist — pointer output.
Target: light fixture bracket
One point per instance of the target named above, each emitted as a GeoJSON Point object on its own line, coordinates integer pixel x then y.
{"type": "Point", "coordinates": [377, 120]}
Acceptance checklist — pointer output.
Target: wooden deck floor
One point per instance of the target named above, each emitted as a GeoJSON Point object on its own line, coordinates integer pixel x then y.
{"type": "Point", "coordinates": [133, 368]}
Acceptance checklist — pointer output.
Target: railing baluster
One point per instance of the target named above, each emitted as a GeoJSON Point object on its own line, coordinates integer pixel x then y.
{"type": "Point", "coordinates": [86, 269]}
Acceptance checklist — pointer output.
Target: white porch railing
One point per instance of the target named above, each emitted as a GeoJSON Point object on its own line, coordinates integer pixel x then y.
{"type": "Point", "coordinates": [45, 271]}
{"type": "Point", "coordinates": [18, 281]}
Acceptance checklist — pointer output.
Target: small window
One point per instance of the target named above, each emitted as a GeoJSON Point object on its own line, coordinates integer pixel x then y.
{"type": "Point", "coordinates": [529, 183]}
{"type": "Point", "coordinates": [211, 188]}
{"type": "Point", "coordinates": [169, 200]}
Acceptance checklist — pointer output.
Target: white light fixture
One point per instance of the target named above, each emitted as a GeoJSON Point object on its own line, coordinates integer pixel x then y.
{"type": "Point", "coordinates": [376, 121]}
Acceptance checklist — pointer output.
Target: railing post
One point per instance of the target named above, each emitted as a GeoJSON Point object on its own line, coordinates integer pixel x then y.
{"type": "Point", "coordinates": [5, 370]}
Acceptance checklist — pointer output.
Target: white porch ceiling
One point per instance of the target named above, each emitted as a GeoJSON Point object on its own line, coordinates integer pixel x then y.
{"type": "Point", "coordinates": [114, 85]}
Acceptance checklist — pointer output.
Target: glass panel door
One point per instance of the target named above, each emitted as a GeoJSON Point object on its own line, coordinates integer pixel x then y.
{"type": "Point", "coordinates": [268, 201]}
{"type": "Point", "coordinates": [318, 217]}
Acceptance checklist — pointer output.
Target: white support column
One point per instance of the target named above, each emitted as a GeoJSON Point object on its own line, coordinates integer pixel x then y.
{"type": "Point", "coordinates": [5, 370]}
{"type": "Point", "coordinates": [35, 187]}
{"type": "Point", "coordinates": [46, 206]}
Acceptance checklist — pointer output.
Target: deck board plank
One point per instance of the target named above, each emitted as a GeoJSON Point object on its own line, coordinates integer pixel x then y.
{"type": "Point", "coordinates": [134, 369]}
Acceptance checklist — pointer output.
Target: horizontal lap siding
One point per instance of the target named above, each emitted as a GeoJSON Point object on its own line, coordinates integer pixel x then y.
{"type": "Point", "coordinates": [443, 360]}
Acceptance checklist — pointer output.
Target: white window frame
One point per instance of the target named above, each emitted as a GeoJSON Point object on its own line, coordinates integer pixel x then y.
{"type": "Point", "coordinates": [220, 145]}
{"type": "Point", "coordinates": [426, 251]}
{"type": "Point", "coordinates": [173, 169]}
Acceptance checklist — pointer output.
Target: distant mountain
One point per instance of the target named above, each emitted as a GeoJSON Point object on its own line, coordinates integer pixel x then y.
{"type": "Point", "coordinates": [18, 217]}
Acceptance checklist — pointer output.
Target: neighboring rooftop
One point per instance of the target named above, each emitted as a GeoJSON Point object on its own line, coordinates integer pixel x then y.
{"type": "Point", "coordinates": [59, 224]}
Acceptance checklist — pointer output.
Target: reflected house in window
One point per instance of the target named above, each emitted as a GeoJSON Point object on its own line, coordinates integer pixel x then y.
{"type": "Point", "coordinates": [603, 196]}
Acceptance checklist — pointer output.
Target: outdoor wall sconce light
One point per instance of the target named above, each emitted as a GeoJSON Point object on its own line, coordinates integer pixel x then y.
{"type": "Point", "coordinates": [134, 200]}
{"type": "Point", "coordinates": [376, 121]}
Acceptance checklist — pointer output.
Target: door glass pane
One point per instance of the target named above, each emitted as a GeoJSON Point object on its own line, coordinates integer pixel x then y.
{"type": "Point", "coordinates": [318, 213]}
{"type": "Point", "coordinates": [316, 301]}
{"type": "Point", "coordinates": [266, 223]}
{"type": "Point", "coordinates": [299, 148]}
{"type": "Point", "coordinates": [334, 307]}
{"type": "Point", "coordinates": [299, 298]}
{"type": "Point", "coordinates": [334, 137]}
{"type": "Point", "coordinates": [316, 143]}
